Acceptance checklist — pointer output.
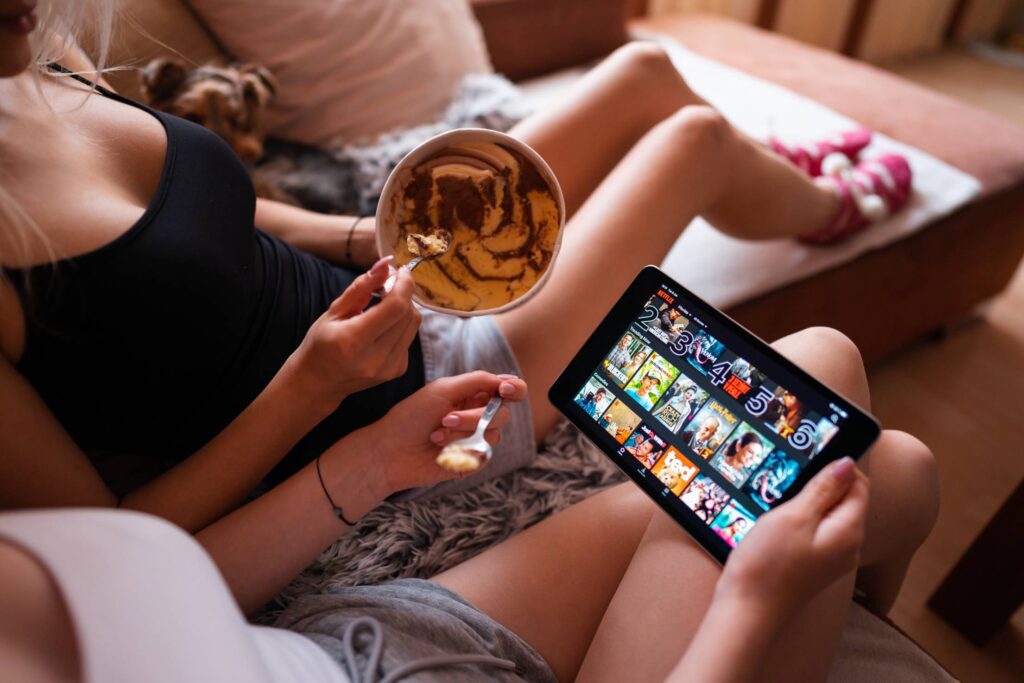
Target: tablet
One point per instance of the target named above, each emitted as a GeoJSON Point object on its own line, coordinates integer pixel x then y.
{"type": "Point", "coordinates": [710, 421]}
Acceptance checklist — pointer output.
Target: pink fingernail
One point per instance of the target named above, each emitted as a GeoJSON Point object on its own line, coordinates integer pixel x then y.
{"type": "Point", "coordinates": [507, 389]}
{"type": "Point", "coordinates": [437, 436]}
{"type": "Point", "coordinates": [380, 266]}
{"type": "Point", "coordinates": [842, 468]}
{"type": "Point", "coordinates": [450, 421]}
{"type": "Point", "coordinates": [507, 376]}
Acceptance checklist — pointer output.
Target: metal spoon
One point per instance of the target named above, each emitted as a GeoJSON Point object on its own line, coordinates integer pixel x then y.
{"type": "Point", "coordinates": [475, 446]}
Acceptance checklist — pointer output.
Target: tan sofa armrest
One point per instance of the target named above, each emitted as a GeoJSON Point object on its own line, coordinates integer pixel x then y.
{"type": "Point", "coordinates": [533, 37]}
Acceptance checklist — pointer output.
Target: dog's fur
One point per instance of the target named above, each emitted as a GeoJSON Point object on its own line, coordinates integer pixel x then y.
{"type": "Point", "coordinates": [231, 100]}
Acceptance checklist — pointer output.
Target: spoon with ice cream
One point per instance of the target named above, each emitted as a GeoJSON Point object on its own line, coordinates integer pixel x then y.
{"type": "Point", "coordinates": [423, 248]}
{"type": "Point", "coordinates": [470, 454]}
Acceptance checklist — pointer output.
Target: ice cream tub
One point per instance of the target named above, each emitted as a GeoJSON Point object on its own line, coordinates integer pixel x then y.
{"type": "Point", "coordinates": [498, 204]}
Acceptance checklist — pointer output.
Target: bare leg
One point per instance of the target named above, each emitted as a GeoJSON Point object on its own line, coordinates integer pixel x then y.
{"type": "Point", "coordinates": [691, 163]}
{"type": "Point", "coordinates": [604, 115]}
{"type": "Point", "coordinates": [551, 583]}
{"type": "Point", "coordinates": [905, 500]}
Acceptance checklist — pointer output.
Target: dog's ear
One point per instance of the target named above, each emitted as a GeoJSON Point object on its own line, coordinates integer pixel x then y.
{"type": "Point", "coordinates": [259, 84]}
{"type": "Point", "coordinates": [161, 79]}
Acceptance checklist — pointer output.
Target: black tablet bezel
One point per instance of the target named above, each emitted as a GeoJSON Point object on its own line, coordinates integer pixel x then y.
{"type": "Point", "coordinates": [858, 431]}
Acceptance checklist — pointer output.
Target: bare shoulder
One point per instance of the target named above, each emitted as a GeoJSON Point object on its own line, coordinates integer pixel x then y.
{"type": "Point", "coordinates": [37, 640]}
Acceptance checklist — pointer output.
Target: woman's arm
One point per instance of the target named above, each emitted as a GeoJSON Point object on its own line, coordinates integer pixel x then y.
{"type": "Point", "coordinates": [320, 234]}
{"type": "Point", "coordinates": [790, 556]}
{"type": "Point", "coordinates": [345, 351]}
{"type": "Point", "coordinates": [262, 546]}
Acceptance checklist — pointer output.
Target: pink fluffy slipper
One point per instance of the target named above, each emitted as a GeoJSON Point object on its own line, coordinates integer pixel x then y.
{"type": "Point", "coordinates": [868, 192]}
{"type": "Point", "coordinates": [808, 157]}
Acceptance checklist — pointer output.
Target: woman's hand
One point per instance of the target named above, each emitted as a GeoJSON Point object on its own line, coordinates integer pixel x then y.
{"type": "Point", "coordinates": [798, 549]}
{"type": "Point", "coordinates": [403, 445]}
{"type": "Point", "coordinates": [352, 347]}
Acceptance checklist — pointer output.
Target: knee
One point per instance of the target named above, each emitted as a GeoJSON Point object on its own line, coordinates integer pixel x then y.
{"type": "Point", "coordinates": [838, 356]}
{"type": "Point", "coordinates": [697, 131]}
{"type": "Point", "coordinates": [837, 344]}
{"type": "Point", "coordinates": [647, 63]}
{"type": "Point", "coordinates": [644, 57]}
{"type": "Point", "coordinates": [913, 463]}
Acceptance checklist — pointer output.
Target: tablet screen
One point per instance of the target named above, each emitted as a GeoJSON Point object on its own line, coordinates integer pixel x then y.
{"type": "Point", "coordinates": [708, 419]}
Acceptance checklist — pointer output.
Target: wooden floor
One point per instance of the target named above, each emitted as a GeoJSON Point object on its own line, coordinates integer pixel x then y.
{"type": "Point", "coordinates": [962, 395]}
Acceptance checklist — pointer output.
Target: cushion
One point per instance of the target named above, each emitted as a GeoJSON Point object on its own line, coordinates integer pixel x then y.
{"type": "Point", "coordinates": [527, 38]}
{"type": "Point", "coordinates": [350, 69]}
{"type": "Point", "coordinates": [873, 649]}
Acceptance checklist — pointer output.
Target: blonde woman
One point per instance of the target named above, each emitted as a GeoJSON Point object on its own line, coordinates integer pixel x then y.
{"type": "Point", "coordinates": [142, 312]}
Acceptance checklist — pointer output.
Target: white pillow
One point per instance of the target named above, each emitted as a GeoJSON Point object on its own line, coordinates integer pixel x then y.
{"type": "Point", "coordinates": [352, 69]}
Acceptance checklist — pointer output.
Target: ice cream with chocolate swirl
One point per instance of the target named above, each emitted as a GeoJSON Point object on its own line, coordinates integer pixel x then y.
{"type": "Point", "coordinates": [499, 213]}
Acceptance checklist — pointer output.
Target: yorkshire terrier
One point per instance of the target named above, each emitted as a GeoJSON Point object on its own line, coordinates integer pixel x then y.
{"type": "Point", "coordinates": [231, 100]}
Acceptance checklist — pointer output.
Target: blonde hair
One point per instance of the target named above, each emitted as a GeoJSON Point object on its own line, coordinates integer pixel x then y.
{"type": "Point", "coordinates": [71, 25]}
{"type": "Point", "coordinates": [65, 27]}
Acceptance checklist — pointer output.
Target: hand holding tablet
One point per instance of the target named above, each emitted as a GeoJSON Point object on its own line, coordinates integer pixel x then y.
{"type": "Point", "coordinates": [710, 421]}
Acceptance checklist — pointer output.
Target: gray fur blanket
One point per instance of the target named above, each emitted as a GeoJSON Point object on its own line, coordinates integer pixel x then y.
{"type": "Point", "coordinates": [422, 538]}
{"type": "Point", "coordinates": [348, 178]}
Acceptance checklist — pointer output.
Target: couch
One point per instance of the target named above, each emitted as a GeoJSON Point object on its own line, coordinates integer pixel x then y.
{"type": "Point", "coordinates": [884, 300]}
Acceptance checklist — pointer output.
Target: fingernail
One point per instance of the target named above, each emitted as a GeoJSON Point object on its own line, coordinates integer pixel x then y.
{"type": "Point", "coordinates": [507, 389]}
{"type": "Point", "coordinates": [437, 436]}
{"type": "Point", "coordinates": [842, 468]}
{"type": "Point", "coordinates": [450, 421]}
{"type": "Point", "coordinates": [380, 266]}
{"type": "Point", "coordinates": [508, 376]}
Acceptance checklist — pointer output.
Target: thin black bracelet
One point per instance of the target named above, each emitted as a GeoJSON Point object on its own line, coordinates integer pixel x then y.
{"type": "Point", "coordinates": [348, 242]}
{"type": "Point", "coordinates": [334, 508]}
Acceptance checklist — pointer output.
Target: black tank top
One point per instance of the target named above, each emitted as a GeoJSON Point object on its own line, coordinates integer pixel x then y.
{"type": "Point", "coordinates": [152, 344]}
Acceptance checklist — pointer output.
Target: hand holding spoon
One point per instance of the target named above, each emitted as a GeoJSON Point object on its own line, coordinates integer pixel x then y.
{"type": "Point", "coordinates": [470, 454]}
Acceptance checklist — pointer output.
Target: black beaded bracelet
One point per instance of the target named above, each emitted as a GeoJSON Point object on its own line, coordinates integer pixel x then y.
{"type": "Point", "coordinates": [348, 241]}
{"type": "Point", "coordinates": [334, 508]}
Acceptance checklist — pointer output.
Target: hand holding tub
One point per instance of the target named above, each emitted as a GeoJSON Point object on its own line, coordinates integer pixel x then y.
{"type": "Point", "coordinates": [352, 347]}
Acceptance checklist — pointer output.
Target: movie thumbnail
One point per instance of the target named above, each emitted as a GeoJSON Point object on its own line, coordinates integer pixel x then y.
{"type": "Point", "coordinates": [776, 474]}
{"type": "Point", "coordinates": [674, 470]}
{"type": "Point", "coordinates": [644, 445]}
{"type": "Point", "coordinates": [629, 352]}
{"type": "Point", "coordinates": [619, 421]}
{"type": "Point", "coordinates": [709, 428]}
{"type": "Point", "coordinates": [704, 497]}
{"type": "Point", "coordinates": [743, 380]}
{"type": "Point", "coordinates": [741, 454]}
{"type": "Point", "coordinates": [825, 431]}
{"type": "Point", "coordinates": [594, 397]}
{"type": "Point", "coordinates": [784, 412]}
{"type": "Point", "coordinates": [681, 402]}
{"type": "Point", "coordinates": [670, 322]}
{"type": "Point", "coordinates": [704, 352]}
{"type": "Point", "coordinates": [733, 523]}
{"type": "Point", "coordinates": [651, 381]}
